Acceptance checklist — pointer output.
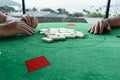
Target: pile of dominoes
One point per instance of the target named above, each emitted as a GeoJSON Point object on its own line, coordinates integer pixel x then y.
{"type": "Point", "coordinates": [53, 34]}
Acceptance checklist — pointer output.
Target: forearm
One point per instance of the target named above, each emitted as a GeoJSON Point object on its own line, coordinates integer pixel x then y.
{"type": "Point", "coordinates": [1, 31]}
{"type": "Point", "coordinates": [2, 17]}
{"type": "Point", "coordinates": [114, 22]}
{"type": "Point", "coordinates": [5, 18]}
{"type": "Point", "coordinates": [9, 18]}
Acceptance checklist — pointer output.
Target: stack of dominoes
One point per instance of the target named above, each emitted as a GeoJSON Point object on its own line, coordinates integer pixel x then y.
{"type": "Point", "coordinates": [53, 34]}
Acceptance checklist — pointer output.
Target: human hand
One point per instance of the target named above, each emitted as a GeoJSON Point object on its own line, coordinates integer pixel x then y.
{"type": "Point", "coordinates": [100, 27]}
{"type": "Point", "coordinates": [12, 28]}
{"type": "Point", "coordinates": [30, 20]}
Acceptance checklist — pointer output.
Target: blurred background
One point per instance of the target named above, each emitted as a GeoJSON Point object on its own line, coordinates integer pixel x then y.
{"type": "Point", "coordinates": [86, 11]}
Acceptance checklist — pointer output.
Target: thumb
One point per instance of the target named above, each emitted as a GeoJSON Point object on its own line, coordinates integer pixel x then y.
{"type": "Point", "coordinates": [109, 29]}
{"type": "Point", "coordinates": [108, 26]}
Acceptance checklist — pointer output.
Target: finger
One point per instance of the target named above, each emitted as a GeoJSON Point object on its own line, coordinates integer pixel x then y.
{"type": "Point", "coordinates": [26, 19]}
{"type": "Point", "coordinates": [102, 26]}
{"type": "Point", "coordinates": [28, 28]}
{"type": "Point", "coordinates": [96, 28]}
{"type": "Point", "coordinates": [108, 28]}
{"type": "Point", "coordinates": [34, 21]}
{"type": "Point", "coordinates": [29, 20]}
{"type": "Point", "coordinates": [92, 29]}
{"type": "Point", "coordinates": [89, 30]}
{"type": "Point", "coordinates": [24, 31]}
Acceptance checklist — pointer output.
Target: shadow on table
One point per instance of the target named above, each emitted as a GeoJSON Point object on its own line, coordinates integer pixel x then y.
{"type": "Point", "coordinates": [13, 38]}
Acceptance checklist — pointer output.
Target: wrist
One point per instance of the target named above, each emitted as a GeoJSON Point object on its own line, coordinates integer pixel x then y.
{"type": "Point", "coordinates": [107, 21]}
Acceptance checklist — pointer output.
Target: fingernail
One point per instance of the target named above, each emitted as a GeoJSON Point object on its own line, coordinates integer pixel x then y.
{"type": "Point", "coordinates": [95, 33]}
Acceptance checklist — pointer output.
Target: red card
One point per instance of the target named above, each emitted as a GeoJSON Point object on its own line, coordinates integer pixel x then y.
{"type": "Point", "coordinates": [37, 63]}
{"type": "Point", "coordinates": [71, 25]}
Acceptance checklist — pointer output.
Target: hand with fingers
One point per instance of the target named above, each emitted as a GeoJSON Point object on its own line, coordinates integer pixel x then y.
{"type": "Point", "coordinates": [30, 20]}
{"type": "Point", "coordinates": [12, 28]}
{"type": "Point", "coordinates": [100, 27]}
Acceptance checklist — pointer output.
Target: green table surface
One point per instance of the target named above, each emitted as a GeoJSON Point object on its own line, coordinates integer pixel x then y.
{"type": "Point", "coordinates": [96, 57]}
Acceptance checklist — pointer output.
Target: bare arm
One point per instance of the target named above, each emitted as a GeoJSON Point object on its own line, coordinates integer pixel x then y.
{"type": "Point", "coordinates": [12, 28]}
{"type": "Point", "coordinates": [30, 20]}
{"type": "Point", "coordinates": [2, 17]}
{"type": "Point", "coordinates": [105, 25]}
{"type": "Point", "coordinates": [114, 22]}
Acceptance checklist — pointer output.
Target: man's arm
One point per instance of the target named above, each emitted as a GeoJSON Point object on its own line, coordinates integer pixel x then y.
{"type": "Point", "coordinates": [3, 17]}
{"type": "Point", "coordinates": [114, 22]}
{"type": "Point", "coordinates": [12, 28]}
{"type": "Point", "coordinates": [105, 25]}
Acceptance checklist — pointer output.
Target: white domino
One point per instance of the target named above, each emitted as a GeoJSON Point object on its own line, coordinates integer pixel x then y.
{"type": "Point", "coordinates": [49, 33]}
{"type": "Point", "coordinates": [61, 37]}
{"type": "Point", "coordinates": [49, 36]}
{"type": "Point", "coordinates": [80, 35]}
{"type": "Point", "coordinates": [54, 34]}
{"type": "Point", "coordinates": [70, 30]}
{"type": "Point", "coordinates": [43, 30]}
{"type": "Point", "coordinates": [47, 39]}
{"type": "Point", "coordinates": [62, 30]}
{"type": "Point", "coordinates": [57, 37]}
{"type": "Point", "coordinates": [70, 35]}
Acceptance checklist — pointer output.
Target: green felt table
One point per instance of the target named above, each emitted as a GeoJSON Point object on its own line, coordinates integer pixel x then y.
{"type": "Point", "coordinates": [96, 57]}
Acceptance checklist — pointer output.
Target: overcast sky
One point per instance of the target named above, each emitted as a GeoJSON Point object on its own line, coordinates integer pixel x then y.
{"type": "Point", "coordinates": [70, 5]}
